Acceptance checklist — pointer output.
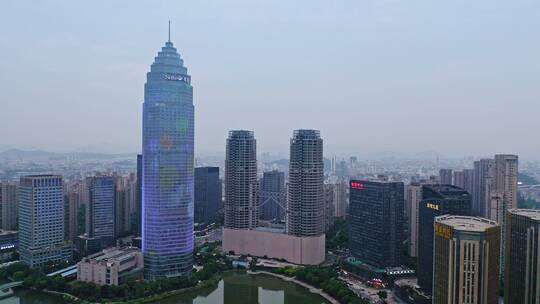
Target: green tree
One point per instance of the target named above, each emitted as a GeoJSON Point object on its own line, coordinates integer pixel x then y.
{"type": "Point", "coordinates": [139, 290]}
{"type": "Point", "coordinates": [253, 264]}
{"type": "Point", "coordinates": [382, 294]}
{"type": "Point", "coordinates": [58, 283]}
{"type": "Point", "coordinates": [19, 276]}
{"type": "Point", "coordinates": [42, 282]}
{"type": "Point", "coordinates": [338, 235]}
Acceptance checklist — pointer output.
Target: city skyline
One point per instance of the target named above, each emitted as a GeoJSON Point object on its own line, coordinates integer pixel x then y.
{"type": "Point", "coordinates": [364, 81]}
{"type": "Point", "coordinates": [410, 177]}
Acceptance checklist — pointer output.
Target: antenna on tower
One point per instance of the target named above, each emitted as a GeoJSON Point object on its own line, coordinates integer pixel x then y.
{"type": "Point", "coordinates": [169, 30]}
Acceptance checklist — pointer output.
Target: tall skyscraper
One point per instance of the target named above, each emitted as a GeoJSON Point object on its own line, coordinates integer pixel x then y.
{"type": "Point", "coordinates": [506, 178]}
{"type": "Point", "coordinates": [504, 194]}
{"type": "Point", "coordinates": [207, 194]}
{"type": "Point", "coordinates": [466, 260]}
{"type": "Point", "coordinates": [341, 169]}
{"type": "Point", "coordinates": [83, 193]}
{"type": "Point", "coordinates": [340, 189]}
{"type": "Point", "coordinates": [272, 201]}
{"type": "Point", "coordinates": [437, 200]}
{"type": "Point", "coordinates": [124, 207]}
{"type": "Point", "coordinates": [329, 212]}
{"type": "Point", "coordinates": [495, 207]}
{"type": "Point", "coordinates": [468, 180]}
{"type": "Point", "coordinates": [71, 212]}
{"type": "Point", "coordinates": [121, 206]}
{"type": "Point", "coordinates": [41, 220]}
{"type": "Point", "coordinates": [138, 216]}
{"type": "Point", "coordinates": [305, 214]}
{"type": "Point", "coordinates": [483, 179]}
{"type": "Point", "coordinates": [132, 204]}
{"type": "Point", "coordinates": [241, 184]}
{"type": "Point", "coordinates": [458, 179]}
{"type": "Point", "coordinates": [522, 257]}
{"type": "Point", "coordinates": [9, 206]}
{"type": "Point", "coordinates": [376, 210]}
{"type": "Point", "coordinates": [414, 196]}
{"type": "Point", "coordinates": [445, 176]}
{"type": "Point", "coordinates": [100, 210]}
{"type": "Point", "coordinates": [167, 167]}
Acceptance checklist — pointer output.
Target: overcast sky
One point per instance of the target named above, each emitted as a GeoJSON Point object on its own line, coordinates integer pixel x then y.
{"type": "Point", "coordinates": [458, 77]}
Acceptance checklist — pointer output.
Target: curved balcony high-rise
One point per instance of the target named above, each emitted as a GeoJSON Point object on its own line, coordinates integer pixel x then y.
{"type": "Point", "coordinates": [305, 215]}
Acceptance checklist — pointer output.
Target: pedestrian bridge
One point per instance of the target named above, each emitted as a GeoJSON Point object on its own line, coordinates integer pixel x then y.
{"type": "Point", "coordinates": [5, 289]}
{"type": "Point", "coordinates": [66, 272]}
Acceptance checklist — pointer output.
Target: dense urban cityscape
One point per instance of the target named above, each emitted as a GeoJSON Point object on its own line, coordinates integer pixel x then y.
{"type": "Point", "coordinates": [169, 225]}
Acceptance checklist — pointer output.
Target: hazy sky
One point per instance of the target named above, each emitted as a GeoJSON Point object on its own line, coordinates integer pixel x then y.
{"type": "Point", "coordinates": [458, 77]}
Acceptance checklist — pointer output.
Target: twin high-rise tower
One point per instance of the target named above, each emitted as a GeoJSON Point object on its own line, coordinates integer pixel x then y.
{"type": "Point", "coordinates": [305, 208]}
{"type": "Point", "coordinates": [302, 241]}
{"type": "Point", "coordinates": [305, 214]}
{"type": "Point", "coordinates": [241, 184]}
{"type": "Point", "coordinates": [167, 167]}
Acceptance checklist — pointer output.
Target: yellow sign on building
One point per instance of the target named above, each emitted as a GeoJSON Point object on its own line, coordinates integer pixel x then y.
{"type": "Point", "coordinates": [444, 231]}
{"type": "Point", "coordinates": [432, 206]}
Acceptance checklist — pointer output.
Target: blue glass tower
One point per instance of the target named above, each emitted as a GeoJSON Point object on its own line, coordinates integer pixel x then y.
{"type": "Point", "coordinates": [167, 161]}
{"type": "Point", "coordinates": [100, 209]}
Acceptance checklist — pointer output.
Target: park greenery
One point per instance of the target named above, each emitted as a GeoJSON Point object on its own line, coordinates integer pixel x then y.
{"type": "Point", "coordinates": [527, 179]}
{"type": "Point", "coordinates": [213, 264]}
{"type": "Point", "coordinates": [324, 278]}
{"type": "Point", "coordinates": [337, 237]}
{"type": "Point", "coordinates": [527, 203]}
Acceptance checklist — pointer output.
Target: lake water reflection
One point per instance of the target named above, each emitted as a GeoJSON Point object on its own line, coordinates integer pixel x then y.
{"type": "Point", "coordinates": [238, 288]}
{"type": "Point", "coordinates": [234, 288]}
{"type": "Point", "coordinates": [24, 296]}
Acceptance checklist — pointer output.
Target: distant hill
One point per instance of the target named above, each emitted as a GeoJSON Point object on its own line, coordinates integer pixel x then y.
{"type": "Point", "coordinates": [23, 154]}
{"type": "Point", "coordinates": [17, 154]}
{"type": "Point", "coordinates": [279, 162]}
{"type": "Point", "coordinates": [526, 179]}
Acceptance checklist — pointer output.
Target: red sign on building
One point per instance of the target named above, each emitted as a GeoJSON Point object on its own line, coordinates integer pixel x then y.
{"type": "Point", "coordinates": [357, 186]}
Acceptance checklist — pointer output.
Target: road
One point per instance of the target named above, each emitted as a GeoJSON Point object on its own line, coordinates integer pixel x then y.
{"type": "Point", "coordinates": [312, 289]}
{"type": "Point", "coordinates": [367, 292]}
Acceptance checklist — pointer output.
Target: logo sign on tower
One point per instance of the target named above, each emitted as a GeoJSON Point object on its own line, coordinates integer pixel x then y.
{"type": "Point", "coordinates": [357, 186]}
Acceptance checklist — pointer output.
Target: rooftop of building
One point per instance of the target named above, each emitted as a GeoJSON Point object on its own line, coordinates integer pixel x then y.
{"type": "Point", "coordinates": [466, 223]}
{"type": "Point", "coordinates": [207, 168]}
{"type": "Point", "coordinates": [241, 134]}
{"type": "Point", "coordinates": [447, 191]}
{"type": "Point", "coordinates": [8, 232]}
{"type": "Point", "coordinates": [359, 263]}
{"type": "Point", "coordinates": [271, 229]}
{"type": "Point", "coordinates": [307, 133]}
{"type": "Point", "coordinates": [506, 156]}
{"type": "Point", "coordinates": [114, 253]}
{"type": "Point", "coordinates": [375, 180]}
{"type": "Point", "coordinates": [42, 176]}
{"type": "Point", "coordinates": [533, 214]}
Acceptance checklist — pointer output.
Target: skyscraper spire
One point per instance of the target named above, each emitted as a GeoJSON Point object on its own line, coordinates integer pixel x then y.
{"type": "Point", "coordinates": [169, 30]}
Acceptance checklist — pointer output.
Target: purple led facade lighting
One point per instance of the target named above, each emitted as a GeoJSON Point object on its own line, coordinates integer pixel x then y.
{"type": "Point", "coordinates": [167, 168]}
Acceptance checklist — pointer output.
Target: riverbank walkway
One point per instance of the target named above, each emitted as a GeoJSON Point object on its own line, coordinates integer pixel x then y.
{"type": "Point", "coordinates": [312, 289]}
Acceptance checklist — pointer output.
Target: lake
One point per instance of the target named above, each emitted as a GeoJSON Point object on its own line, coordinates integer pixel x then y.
{"type": "Point", "coordinates": [234, 288]}
{"type": "Point", "coordinates": [24, 296]}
